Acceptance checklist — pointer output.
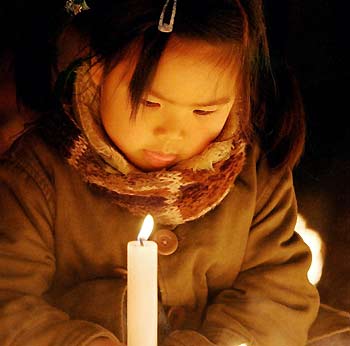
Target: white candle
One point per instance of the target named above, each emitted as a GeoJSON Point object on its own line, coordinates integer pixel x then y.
{"type": "Point", "coordinates": [142, 292]}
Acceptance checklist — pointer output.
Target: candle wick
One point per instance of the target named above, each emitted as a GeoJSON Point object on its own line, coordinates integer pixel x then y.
{"type": "Point", "coordinates": [141, 241]}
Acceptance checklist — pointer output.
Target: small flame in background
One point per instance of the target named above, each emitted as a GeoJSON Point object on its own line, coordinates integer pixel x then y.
{"type": "Point", "coordinates": [313, 239]}
{"type": "Point", "coordinates": [146, 229]}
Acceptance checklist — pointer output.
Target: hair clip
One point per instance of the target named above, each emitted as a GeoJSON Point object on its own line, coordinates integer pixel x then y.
{"type": "Point", "coordinates": [167, 27]}
{"type": "Point", "coordinates": [74, 7]}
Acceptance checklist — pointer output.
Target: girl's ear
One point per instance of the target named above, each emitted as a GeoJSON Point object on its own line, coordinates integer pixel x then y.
{"type": "Point", "coordinates": [96, 71]}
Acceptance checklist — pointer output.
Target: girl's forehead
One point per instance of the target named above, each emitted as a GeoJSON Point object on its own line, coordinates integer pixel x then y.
{"type": "Point", "coordinates": [191, 50]}
{"type": "Point", "coordinates": [200, 50]}
{"type": "Point", "coordinates": [194, 76]}
{"type": "Point", "coordinates": [200, 55]}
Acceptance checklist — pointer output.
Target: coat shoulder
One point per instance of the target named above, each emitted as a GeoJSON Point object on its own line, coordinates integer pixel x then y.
{"type": "Point", "coordinates": [29, 165]}
{"type": "Point", "coordinates": [265, 177]}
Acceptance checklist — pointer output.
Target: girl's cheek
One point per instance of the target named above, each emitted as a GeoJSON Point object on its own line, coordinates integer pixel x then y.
{"type": "Point", "coordinates": [138, 133]}
{"type": "Point", "coordinates": [214, 127]}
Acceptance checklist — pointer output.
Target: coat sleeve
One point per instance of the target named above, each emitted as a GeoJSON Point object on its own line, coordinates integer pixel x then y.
{"type": "Point", "coordinates": [27, 266]}
{"type": "Point", "coordinates": [271, 302]}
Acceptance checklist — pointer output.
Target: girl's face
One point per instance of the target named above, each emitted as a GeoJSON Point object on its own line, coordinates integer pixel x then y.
{"type": "Point", "coordinates": [184, 109]}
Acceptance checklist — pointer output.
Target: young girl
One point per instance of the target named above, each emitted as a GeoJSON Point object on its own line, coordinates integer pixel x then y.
{"type": "Point", "coordinates": [168, 109]}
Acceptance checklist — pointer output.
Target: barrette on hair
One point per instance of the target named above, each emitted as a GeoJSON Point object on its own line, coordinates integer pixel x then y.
{"type": "Point", "coordinates": [167, 27]}
{"type": "Point", "coordinates": [74, 7]}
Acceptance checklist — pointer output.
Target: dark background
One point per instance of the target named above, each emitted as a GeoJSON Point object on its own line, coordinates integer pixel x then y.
{"type": "Point", "coordinates": [314, 36]}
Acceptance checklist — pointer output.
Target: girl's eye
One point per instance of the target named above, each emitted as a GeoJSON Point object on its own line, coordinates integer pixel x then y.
{"type": "Point", "coordinates": [150, 103]}
{"type": "Point", "coordinates": [201, 112]}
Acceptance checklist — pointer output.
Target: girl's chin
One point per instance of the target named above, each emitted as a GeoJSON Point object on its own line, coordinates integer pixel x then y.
{"type": "Point", "coordinates": [154, 168]}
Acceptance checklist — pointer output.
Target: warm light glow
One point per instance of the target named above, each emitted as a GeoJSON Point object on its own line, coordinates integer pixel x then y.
{"type": "Point", "coordinates": [314, 241]}
{"type": "Point", "coordinates": [147, 228]}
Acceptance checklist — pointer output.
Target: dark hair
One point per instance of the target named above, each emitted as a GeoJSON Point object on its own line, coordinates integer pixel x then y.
{"type": "Point", "coordinates": [269, 100]}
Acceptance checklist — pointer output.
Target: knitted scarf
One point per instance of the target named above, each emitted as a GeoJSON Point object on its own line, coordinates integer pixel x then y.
{"type": "Point", "coordinates": [172, 196]}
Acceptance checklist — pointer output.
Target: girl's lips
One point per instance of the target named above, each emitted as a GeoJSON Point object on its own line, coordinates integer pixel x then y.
{"type": "Point", "coordinates": [158, 159]}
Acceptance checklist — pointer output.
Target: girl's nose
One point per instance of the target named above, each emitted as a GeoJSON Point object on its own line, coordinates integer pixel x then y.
{"type": "Point", "coordinates": [171, 126]}
{"type": "Point", "coordinates": [169, 133]}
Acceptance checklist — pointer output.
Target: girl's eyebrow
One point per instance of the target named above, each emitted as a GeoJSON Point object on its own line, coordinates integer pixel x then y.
{"type": "Point", "coordinates": [219, 102]}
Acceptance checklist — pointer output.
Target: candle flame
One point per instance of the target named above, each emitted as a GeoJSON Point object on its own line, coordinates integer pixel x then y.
{"type": "Point", "coordinates": [147, 228]}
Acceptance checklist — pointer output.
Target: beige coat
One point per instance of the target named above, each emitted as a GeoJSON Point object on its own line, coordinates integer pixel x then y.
{"type": "Point", "coordinates": [238, 275]}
